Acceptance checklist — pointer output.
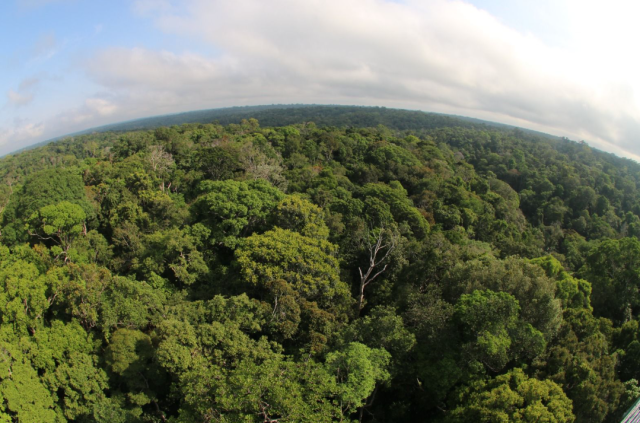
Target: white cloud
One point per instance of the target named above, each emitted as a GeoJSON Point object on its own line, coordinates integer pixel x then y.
{"type": "Point", "coordinates": [17, 99]}
{"type": "Point", "coordinates": [93, 112]}
{"type": "Point", "coordinates": [14, 136]}
{"type": "Point", "coordinates": [437, 55]}
{"type": "Point", "coordinates": [100, 106]}
{"type": "Point", "coordinates": [25, 92]}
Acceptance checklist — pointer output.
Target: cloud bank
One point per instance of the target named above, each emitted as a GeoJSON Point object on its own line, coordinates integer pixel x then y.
{"type": "Point", "coordinates": [433, 55]}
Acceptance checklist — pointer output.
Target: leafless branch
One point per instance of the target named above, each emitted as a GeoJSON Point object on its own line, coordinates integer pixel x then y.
{"type": "Point", "coordinates": [379, 253]}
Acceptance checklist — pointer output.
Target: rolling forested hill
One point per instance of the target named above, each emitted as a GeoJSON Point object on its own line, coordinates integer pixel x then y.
{"type": "Point", "coordinates": [283, 115]}
{"type": "Point", "coordinates": [319, 264]}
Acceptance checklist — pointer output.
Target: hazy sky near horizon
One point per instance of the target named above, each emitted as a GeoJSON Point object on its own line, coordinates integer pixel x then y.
{"type": "Point", "coordinates": [565, 67]}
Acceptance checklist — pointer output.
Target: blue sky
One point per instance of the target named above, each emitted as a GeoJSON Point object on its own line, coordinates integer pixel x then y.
{"type": "Point", "coordinates": [44, 44]}
{"type": "Point", "coordinates": [562, 66]}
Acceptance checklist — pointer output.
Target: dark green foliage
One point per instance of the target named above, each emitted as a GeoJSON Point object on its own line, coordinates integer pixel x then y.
{"type": "Point", "coordinates": [613, 267]}
{"type": "Point", "coordinates": [45, 188]}
{"type": "Point", "coordinates": [210, 273]}
{"type": "Point", "coordinates": [233, 209]}
{"type": "Point", "coordinates": [491, 332]}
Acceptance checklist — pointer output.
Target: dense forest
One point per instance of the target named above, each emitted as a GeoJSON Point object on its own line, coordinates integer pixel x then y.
{"type": "Point", "coordinates": [327, 269]}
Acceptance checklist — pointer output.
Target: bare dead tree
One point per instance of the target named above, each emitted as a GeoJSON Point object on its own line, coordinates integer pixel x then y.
{"type": "Point", "coordinates": [10, 180]}
{"type": "Point", "coordinates": [159, 159]}
{"type": "Point", "coordinates": [379, 253]}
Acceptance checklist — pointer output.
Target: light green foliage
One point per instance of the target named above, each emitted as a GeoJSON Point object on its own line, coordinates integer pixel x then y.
{"type": "Point", "coordinates": [393, 161]}
{"type": "Point", "coordinates": [491, 331]}
{"type": "Point", "coordinates": [131, 143]}
{"type": "Point", "coordinates": [66, 353]}
{"type": "Point", "coordinates": [214, 332]}
{"type": "Point", "coordinates": [302, 216]}
{"type": "Point", "coordinates": [92, 248]}
{"type": "Point", "coordinates": [233, 209]}
{"type": "Point", "coordinates": [505, 191]}
{"type": "Point", "coordinates": [308, 265]}
{"type": "Point", "coordinates": [24, 294]}
{"type": "Point", "coordinates": [56, 365]}
{"type": "Point", "coordinates": [81, 383]}
{"type": "Point", "coordinates": [193, 289]}
{"type": "Point", "coordinates": [128, 352]}
{"type": "Point", "coordinates": [512, 397]}
{"type": "Point", "coordinates": [177, 350]}
{"type": "Point", "coordinates": [382, 328]}
{"type": "Point", "coordinates": [129, 303]}
{"type": "Point", "coordinates": [176, 251]}
{"type": "Point", "coordinates": [299, 278]}
{"type": "Point", "coordinates": [110, 411]}
{"type": "Point", "coordinates": [357, 370]}
{"type": "Point", "coordinates": [225, 373]}
{"type": "Point", "coordinates": [528, 283]}
{"type": "Point", "coordinates": [400, 207]}
{"type": "Point", "coordinates": [61, 223]}
{"type": "Point", "coordinates": [62, 217]}
{"type": "Point", "coordinates": [631, 395]}
{"type": "Point", "coordinates": [277, 389]}
{"type": "Point", "coordinates": [24, 397]}
{"type": "Point", "coordinates": [486, 318]}
{"type": "Point", "coordinates": [100, 300]}
{"type": "Point", "coordinates": [83, 293]}
{"type": "Point", "coordinates": [573, 292]}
